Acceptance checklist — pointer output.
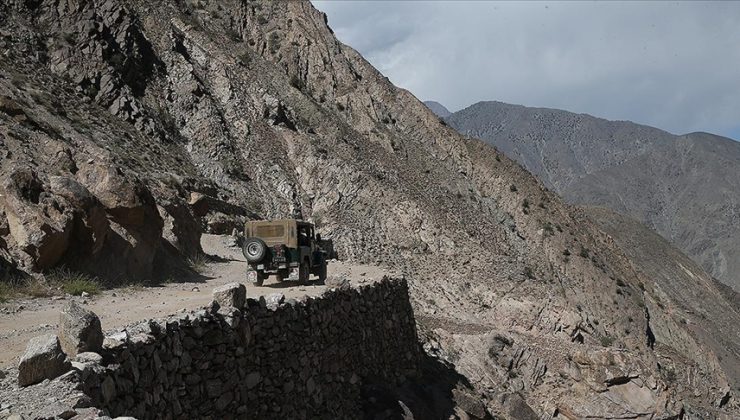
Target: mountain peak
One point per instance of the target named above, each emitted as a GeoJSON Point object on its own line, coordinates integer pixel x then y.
{"type": "Point", "coordinates": [438, 108]}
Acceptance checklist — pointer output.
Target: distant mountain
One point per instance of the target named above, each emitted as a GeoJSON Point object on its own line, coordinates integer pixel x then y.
{"type": "Point", "coordinates": [438, 109]}
{"type": "Point", "coordinates": [686, 187]}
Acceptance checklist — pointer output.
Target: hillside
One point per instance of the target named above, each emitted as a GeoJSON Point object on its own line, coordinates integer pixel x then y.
{"type": "Point", "coordinates": [130, 127]}
{"type": "Point", "coordinates": [687, 188]}
{"type": "Point", "coordinates": [688, 293]}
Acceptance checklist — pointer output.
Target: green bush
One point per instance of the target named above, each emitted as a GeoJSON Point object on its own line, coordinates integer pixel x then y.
{"type": "Point", "coordinates": [72, 282]}
{"type": "Point", "coordinates": [77, 286]}
{"type": "Point", "coordinates": [607, 341]}
{"type": "Point", "coordinates": [548, 229]}
{"type": "Point", "coordinates": [199, 263]}
{"type": "Point", "coordinates": [5, 292]}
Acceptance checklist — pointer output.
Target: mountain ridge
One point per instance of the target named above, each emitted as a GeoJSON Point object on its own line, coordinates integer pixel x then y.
{"type": "Point", "coordinates": [630, 168]}
{"type": "Point", "coordinates": [439, 109]}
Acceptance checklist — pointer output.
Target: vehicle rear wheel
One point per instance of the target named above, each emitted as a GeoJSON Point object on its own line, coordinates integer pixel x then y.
{"type": "Point", "coordinates": [303, 273]}
{"type": "Point", "coordinates": [322, 272]}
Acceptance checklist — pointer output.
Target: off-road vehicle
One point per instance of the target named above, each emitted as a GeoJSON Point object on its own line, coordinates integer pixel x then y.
{"type": "Point", "coordinates": [287, 248]}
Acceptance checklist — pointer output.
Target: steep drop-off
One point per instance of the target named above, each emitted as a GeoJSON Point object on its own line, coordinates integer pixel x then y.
{"type": "Point", "coordinates": [687, 188]}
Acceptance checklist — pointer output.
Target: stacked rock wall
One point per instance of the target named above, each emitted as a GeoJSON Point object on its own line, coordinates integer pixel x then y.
{"type": "Point", "coordinates": [270, 359]}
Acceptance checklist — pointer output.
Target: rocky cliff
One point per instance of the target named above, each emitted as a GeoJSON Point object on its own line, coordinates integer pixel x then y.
{"type": "Point", "coordinates": [687, 188]}
{"type": "Point", "coordinates": [130, 126]}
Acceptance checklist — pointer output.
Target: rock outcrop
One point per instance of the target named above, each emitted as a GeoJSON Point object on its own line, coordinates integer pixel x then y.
{"type": "Point", "coordinates": [79, 330]}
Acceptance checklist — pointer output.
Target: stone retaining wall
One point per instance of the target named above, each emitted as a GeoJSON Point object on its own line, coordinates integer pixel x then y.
{"type": "Point", "coordinates": [270, 359]}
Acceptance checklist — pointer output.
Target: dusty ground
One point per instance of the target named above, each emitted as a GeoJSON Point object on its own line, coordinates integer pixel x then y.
{"type": "Point", "coordinates": [116, 308]}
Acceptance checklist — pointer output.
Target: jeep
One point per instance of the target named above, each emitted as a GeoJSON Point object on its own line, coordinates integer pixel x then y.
{"type": "Point", "coordinates": [287, 248]}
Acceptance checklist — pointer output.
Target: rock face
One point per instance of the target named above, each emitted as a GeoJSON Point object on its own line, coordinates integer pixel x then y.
{"type": "Point", "coordinates": [79, 330]}
{"type": "Point", "coordinates": [43, 359]}
{"type": "Point", "coordinates": [223, 111]}
{"type": "Point", "coordinates": [232, 295]}
{"type": "Point", "coordinates": [683, 187]}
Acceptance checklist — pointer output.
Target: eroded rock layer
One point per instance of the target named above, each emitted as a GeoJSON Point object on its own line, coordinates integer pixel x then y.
{"type": "Point", "coordinates": [163, 119]}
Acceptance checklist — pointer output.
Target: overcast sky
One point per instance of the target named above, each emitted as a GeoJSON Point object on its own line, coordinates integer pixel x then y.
{"type": "Point", "coordinates": [672, 65]}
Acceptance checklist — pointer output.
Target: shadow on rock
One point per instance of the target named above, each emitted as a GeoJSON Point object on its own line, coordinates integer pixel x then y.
{"type": "Point", "coordinates": [439, 393]}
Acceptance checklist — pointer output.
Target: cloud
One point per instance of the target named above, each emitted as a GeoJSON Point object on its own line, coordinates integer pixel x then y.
{"type": "Point", "coordinates": [673, 65]}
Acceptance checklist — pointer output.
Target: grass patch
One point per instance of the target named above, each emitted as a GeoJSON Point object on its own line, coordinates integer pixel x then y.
{"type": "Point", "coordinates": [607, 341]}
{"type": "Point", "coordinates": [37, 288]}
{"type": "Point", "coordinates": [5, 292]}
{"type": "Point", "coordinates": [72, 282]}
{"type": "Point", "coordinates": [548, 229]}
{"type": "Point", "coordinates": [199, 263]}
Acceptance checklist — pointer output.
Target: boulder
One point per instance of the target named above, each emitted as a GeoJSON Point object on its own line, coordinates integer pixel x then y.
{"type": "Point", "coordinates": [39, 223]}
{"type": "Point", "coordinates": [79, 330]}
{"type": "Point", "coordinates": [230, 295]}
{"type": "Point", "coordinates": [135, 223]}
{"type": "Point", "coordinates": [43, 359]}
{"type": "Point", "coordinates": [181, 228]}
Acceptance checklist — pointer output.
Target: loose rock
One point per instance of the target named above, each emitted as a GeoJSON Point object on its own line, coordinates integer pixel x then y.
{"type": "Point", "coordinates": [79, 330]}
{"type": "Point", "coordinates": [231, 294]}
{"type": "Point", "coordinates": [43, 359]}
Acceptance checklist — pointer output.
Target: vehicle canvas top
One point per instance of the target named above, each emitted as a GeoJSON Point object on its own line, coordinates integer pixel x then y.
{"type": "Point", "coordinates": [274, 232]}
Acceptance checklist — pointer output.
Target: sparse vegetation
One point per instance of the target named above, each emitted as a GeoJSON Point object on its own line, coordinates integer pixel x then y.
{"type": "Point", "coordinates": [244, 59]}
{"type": "Point", "coordinates": [5, 292]}
{"type": "Point", "coordinates": [71, 282]}
{"type": "Point", "coordinates": [37, 288]}
{"type": "Point", "coordinates": [199, 263]}
{"type": "Point", "coordinates": [71, 38]}
{"type": "Point", "coordinates": [340, 107]}
{"type": "Point", "coordinates": [606, 341]}
{"type": "Point", "coordinates": [117, 60]}
{"type": "Point", "coordinates": [670, 375]}
{"type": "Point", "coordinates": [548, 229]}
{"type": "Point", "coordinates": [584, 252]}
{"type": "Point", "coordinates": [529, 272]}
{"type": "Point", "coordinates": [513, 188]}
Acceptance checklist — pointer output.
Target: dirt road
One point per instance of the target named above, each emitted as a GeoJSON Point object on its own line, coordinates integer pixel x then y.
{"type": "Point", "coordinates": [116, 308]}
